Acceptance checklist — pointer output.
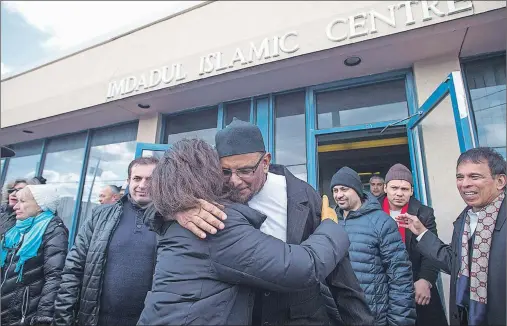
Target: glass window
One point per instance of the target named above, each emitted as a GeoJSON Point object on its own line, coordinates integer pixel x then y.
{"type": "Point", "coordinates": [360, 105]}
{"type": "Point", "coordinates": [111, 152]}
{"type": "Point", "coordinates": [26, 161]}
{"type": "Point", "coordinates": [62, 166]}
{"type": "Point", "coordinates": [486, 82]}
{"type": "Point", "coordinates": [240, 110]}
{"type": "Point", "coordinates": [290, 136]}
{"type": "Point", "coordinates": [199, 124]}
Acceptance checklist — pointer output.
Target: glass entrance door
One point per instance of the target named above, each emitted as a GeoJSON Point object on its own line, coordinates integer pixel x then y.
{"type": "Point", "coordinates": [439, 133]}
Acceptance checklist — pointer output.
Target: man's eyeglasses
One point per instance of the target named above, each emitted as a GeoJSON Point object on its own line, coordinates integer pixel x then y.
{"type": "Point", "coordinates": [242, 173]}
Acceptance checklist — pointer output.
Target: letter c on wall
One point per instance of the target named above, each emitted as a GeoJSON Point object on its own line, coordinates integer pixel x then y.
{"type": "Point", "coordinates": [329, 30]}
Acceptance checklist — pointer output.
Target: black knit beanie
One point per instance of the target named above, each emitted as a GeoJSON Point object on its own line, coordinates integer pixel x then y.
{"type": "Point", "coordinates": [348, 178]}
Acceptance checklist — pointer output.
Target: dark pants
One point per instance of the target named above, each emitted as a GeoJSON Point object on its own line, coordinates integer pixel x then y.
{"type": "Point", "coordinates": [433, 313]}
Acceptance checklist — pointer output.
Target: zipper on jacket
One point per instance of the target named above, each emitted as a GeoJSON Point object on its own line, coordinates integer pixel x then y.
{"type": "Point", "coordinates": [105, 262]}
{"type": "Point", "coordinates": [7, 269]}
{"type": "Point", "coordinates": [25, 303]}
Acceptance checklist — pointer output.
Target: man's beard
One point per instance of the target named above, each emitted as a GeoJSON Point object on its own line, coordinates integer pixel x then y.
{"type": "Point", "coordinates": [234, 195]}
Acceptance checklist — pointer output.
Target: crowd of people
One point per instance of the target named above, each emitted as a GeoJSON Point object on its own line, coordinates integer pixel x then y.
{"type": "Point", "coordinates": [221, 236]}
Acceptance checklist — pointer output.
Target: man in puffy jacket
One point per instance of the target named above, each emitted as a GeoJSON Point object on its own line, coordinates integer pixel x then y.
{"type": "Point", "coordinates": [109, 269]}
{"type": "Point", "coordinates": [378, 255]}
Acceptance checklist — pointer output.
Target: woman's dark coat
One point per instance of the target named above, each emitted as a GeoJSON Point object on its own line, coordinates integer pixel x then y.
{"type": "Point", "coordinates": [40, 279]}
{"type": "Point", "coordinates": [213, 281]}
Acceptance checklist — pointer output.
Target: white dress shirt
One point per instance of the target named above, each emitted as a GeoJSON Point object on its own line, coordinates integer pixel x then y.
{"type": "Point", "coordinates": [272, 202]}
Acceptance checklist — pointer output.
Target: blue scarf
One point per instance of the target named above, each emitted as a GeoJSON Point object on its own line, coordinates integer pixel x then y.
{"type": "Point", "coordinates": [31, 231]}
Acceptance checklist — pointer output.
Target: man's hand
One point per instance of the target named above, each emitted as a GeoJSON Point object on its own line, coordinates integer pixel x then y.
{"type": "Point", "coordinates": [327, 212]}
{"type": "Point", "coordinates": [205, 218]}
{"type": "Point", "coordinates": [422, 292]}
{"type": "Point", "coordinates": [411, 222]}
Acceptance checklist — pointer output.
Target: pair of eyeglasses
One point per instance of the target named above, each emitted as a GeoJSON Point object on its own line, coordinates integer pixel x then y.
{"type": "Point", "coordinates": [12, 190]}
{"type": "Point", "coordinates": [242, 173]}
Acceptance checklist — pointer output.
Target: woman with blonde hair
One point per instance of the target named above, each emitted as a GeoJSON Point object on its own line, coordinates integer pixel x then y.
{"type": "Point", "coordinates": [9, 199]}
{"type": "Point", "coordinates": [33, 254]}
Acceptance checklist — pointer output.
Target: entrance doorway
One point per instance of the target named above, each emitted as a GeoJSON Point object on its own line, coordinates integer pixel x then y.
{"type": "Point", "coordinates": [368, 152]}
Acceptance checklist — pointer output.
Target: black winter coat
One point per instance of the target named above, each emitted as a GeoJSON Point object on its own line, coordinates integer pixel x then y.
{"type": "Point", "coordinates": [212, 281]}
{"type": "Point", "coordinates": [78, 300]}
{"type": "Point", "coordinates": [40, 282]}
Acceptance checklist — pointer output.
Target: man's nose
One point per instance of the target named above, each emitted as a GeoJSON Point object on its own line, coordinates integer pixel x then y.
{"type": "Point", "coordinates": [235, 181]}
{"type": "Point", "coordinates": [467, 182]}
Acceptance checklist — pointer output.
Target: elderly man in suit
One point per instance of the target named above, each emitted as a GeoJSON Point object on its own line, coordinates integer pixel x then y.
{"type": "Point", "coordinates": [476, 257]}
{"type": "Point", "coordinates": [293, 210]}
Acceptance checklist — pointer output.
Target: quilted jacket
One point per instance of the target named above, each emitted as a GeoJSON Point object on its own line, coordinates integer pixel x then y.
{"type": "Point", "coordinates": [381, 263]}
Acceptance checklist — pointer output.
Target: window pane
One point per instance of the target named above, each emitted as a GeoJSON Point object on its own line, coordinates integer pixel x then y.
{"type": "Point", "coordinates": [486, 82]}
{"type": "Point", "coordinates": [299, 171]}
{"type": "Point", "coordinates": [112, 151]}
{"type": "Point", "coordinates": [240, 110]}
{"type": "Point", "coordinates": [199, 124]}
{"type": "Point", "coordinates": [290, 136]}
{"type": "Point", "coordinates": [359, 105]}
{"type": "Point", "coordinates": [24, 164]}
{"type": "Point", "coordinates": [62, 167]}
{"type": "Point", "coordinates": [156, 154]}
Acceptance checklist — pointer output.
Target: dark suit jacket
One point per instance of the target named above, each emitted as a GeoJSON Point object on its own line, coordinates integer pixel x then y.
{"type": "Point", "coordinates": [447, 259]}
{"type": "Point", "coordinates": [309, 307]}
{"type": "Point", "coordinates": [422, 267]}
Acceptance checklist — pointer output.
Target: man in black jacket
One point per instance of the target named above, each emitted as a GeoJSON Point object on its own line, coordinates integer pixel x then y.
{"type": "Point", "coordinates": [398, 199]}
{"type": "Point", "coordinates": [109, 269]}
{"type": "Point", "coordinates": [293, 210]}
{"type": "Point", "coordinates": [475, 259]}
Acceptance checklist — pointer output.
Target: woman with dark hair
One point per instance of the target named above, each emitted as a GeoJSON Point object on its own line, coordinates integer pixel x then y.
{"type": "Point", "coordinates": [212, 281]}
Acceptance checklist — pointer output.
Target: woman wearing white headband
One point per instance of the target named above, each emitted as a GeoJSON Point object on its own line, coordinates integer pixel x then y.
{"type": "Point", "coordinates": [33, 255]}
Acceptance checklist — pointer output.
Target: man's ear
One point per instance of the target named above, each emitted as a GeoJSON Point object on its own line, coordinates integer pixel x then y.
{"type": "Point", "coordinates": [267, 161]}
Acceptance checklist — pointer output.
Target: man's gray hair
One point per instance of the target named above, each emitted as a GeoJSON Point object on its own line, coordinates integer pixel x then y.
{"type": "Point", "coordinates": [114, 189]}
{"type": "Point", "coordinates": [377, 177]}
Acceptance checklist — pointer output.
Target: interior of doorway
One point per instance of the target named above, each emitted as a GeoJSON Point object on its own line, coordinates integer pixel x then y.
{"type": "Point", "coordinates": [368, 152]}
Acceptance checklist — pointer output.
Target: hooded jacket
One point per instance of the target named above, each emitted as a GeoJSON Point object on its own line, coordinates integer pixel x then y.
{"type": "Point", "coordinates": [212, 281]}
{"type": "Point", "coordinates": [381, 263]}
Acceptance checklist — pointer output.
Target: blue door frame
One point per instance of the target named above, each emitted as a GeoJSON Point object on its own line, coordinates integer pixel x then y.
{"type": "Point", "coordinates": [140, 147]}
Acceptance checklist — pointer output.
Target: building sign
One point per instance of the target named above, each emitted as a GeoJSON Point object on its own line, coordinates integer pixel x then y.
{"type": "Point", "coordinates": [338, 31]}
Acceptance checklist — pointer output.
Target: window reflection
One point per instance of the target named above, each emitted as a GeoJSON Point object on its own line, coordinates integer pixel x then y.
{"type": "Point", "coordinates": [290, 136]}
{"type": "Point", "coordinates": [239, 110]}
{"type": "Point", "coordinates": [486, 82]}
{"type": "Point", "coordinates": [156, 154]}
{"type": "Point", "coordinates": [111, 152]}
{"type": "Point", "coordinates": [199, 124]}
{"type": "Point", "coordinates": [360, 105]}
{"type": "Point", "coordinates": [62, 167]}
{"type": "Point", "coordinates": [26, 161]}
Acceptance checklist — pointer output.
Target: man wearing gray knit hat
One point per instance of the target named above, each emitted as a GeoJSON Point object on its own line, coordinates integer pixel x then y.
{"type": "Point", "coordinates": [399, 200]}
{"type": "Point", "coordinates": [376, 251]}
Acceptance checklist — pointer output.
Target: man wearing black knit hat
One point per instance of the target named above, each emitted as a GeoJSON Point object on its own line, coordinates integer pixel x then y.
{"type": "Point", "coordinates": [293, 210]}
{"type": "Point", "coordinates": [399, 200]}
{"type": "Point", "coordinates": [376, 251]}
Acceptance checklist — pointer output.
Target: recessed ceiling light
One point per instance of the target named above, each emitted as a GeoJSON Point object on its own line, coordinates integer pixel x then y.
{"type": "Point", "coordinates": [28, 131]}
{"type": "Point", "coordinates": [143, 106]}
{"type": "Point", "coordinates": [352, 61]}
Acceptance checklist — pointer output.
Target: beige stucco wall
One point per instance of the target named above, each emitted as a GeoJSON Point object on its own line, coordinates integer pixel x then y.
{"type": "Point", "coordinates": [82, 80]}
{"type": "Point", "coordinates": [441, 148]}
{"type": "Point", "coordinates": [149, 128]}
